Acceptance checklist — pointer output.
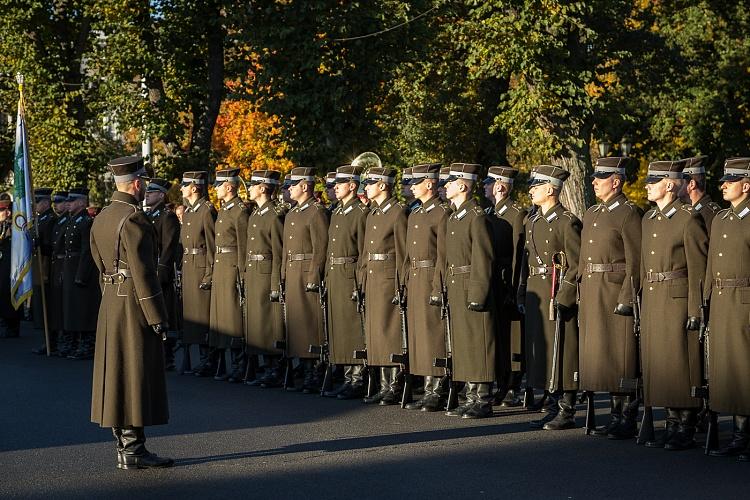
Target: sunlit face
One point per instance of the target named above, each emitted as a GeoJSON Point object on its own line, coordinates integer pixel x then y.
{"type": "Point", "coordinates": [453, 189]}
{"type": "Point", "coordinates": [540, 193]}
{"type": "Point", "coordinates": [373, 190]}
{"type": "Point", "coordinates": [253, 192]}
{"type": "Point", "coordinates": [297, 191]}
{"type": "Point", "coordinates": [605, 188]}
{"type": "Point", "coordinates": [657, 190]}
{"type": "Point", "coordinates": [500, 190]}
{"type": "Point", "coordinates": [186, 190]}
{"type": "Point", "coordinates": [734, 192]}
{"type": "Point", "coordinates": [343, 189]}
{"type": "Point", "coordinates": [154, 197]}
{"type": "Point", "coordinates": [221, 190]}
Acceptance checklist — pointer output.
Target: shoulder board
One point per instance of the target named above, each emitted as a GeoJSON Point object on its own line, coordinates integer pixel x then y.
{"type": "Point", "coordinates": [479, 210]}
{"type": "Point", "coordinates": [715, 207]}
{"type": "Point", "coordinates": [264, 211]}
{"type": "Point", "coordinates": [724, 213]}
{"type": "Point", "coordinates": [460, 215]}
{"type": "Point", "coordinates": [688, 208]}
{"type": "Point", "coordinates": [229, 206]}
{"type": "Point", "coordinates": [570, 215]}
{"type": "Point", "coordinates": [362, 207]}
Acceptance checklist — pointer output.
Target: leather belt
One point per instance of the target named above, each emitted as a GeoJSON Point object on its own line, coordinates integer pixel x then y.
{"type": "Point", "coordinates": [415, 264]}
{"type": "Point", "coordinates": [379, 256]}
{"type": "Point", "coordinates": [258, 257]}
{"type": "Point", "coordinates": [538, 270]}
{"type": "Point", "coordinates": [338, 261]}
{"type": "Point", "coordinates": [226, 249]}
{"type": "Point", "coordinates": [616, 267]}
{"type": "Point", "coordinates": [194, 251]}
{"type": "Point", "coordinates": [452, 270]}
{"type": "Point", "coordinates": [116, 278]}
{"type": "Point", "coordinates": [299, 256]}
{"type": "Point", "coordinates": [731, 282]}
{"type": "Point", "coordinates": [652, 277]}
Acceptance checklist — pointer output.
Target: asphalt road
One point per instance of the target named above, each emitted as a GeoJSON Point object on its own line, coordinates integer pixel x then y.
{"type": "Point", "coordinates": [238, 441]}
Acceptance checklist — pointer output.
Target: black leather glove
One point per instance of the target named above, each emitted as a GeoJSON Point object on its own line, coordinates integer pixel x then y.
{"type": "Point", "coordinates": [475, 306]}
{"type": "Point", "coordinates": [274, 296]}
{"type": "Point", "coordinates": [80, 284]}
{"type": "Point", "coordinates": [205, 285]}
{"type": "Point", "coordinates": [312, 287]}
{"type": "Point", "coordinates": [624, 310]}
{"type": "Point", "coordinates": [521, 308]}
{"type": "Point", "coordinates": [436, 300]}
{"type": "Point", "coordinates": [161, 330]}
{"type": "Point", "coordinates": [693, 323]}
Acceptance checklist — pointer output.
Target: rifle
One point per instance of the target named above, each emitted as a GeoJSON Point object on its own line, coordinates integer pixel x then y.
{"type": "Point", "coordinates": [712, 433]}
{"type": "Point", "coordinates": [362, 353]}
{"type": "Point", "coordinates": [559, 266]}
{"type": "Point", "coordinates": [239, 285]}
{"type": "Point", "coordinates": [282, 344]}
{"type": "Point", "coordinates": [177, 285]}
{"type": "Point", "coordinates": [646, 432]}
{"type": "Point", "coordinates": [447, 361]}
{"type": "Point", "coordinates": [323, 350]}
{"type": "Point", "coordinates": [403, 358]}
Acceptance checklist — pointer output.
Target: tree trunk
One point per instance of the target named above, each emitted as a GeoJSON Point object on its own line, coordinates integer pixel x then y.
{"type": "Point", "coordinates": [577, 194]}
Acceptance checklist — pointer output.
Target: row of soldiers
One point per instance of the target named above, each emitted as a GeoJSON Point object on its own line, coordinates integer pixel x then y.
{"type": "Point", "coordinates": [445, 290]}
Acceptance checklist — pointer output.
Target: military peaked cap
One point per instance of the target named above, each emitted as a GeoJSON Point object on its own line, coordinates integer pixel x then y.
{"type": "Point", "coordinates": [736, 169]}
{"type": "Point", "coordinates": [424, 171]}
{"type": "Point", "coordinates": [265, 177]}
{"type": "Point", "coordinates": [199, 177]}
{"type": "Point", "coordinates": [380, 174]}
{"type": "Point", "coordinates": [548, 174]}
{"type": "Point", "coordinates": [348, 173]}
{"type": "Point", "coordinates": [610, 165]}
{"type": "Point", "coordinates": [695, 165]}
{"type": "Point", "coordinates": [77, 193]}
{"type": "Point", "coordinates": [42, 193]}
{"type": "Point", "coordinates": [161, 185]}
{"type": "Point", "coordinates": [465, 171]}
{"type": "Point", "coordinates": [127, 168]}
{"type": "Point", "coordinates": [658, 170]}
{"type": "Point", "coordinates": [406, 176]}
{"type": "Point", "coordinates": [60, 197]}
{"type": "Point", "coordinates": [227, 175]}
{"type": "Point", "coordinates": [501, 174]}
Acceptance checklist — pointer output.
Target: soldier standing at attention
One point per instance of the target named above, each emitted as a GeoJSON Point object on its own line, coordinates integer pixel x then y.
{"type": "Point", "coordinates": [610, 271]}
{"type": "Point", "coordinates": [443, 179]}
{"type": "Point", "coordinates": [508, 220]}
{"type": "Point", "coordinates": [469, 260]}
{"type": "Point", "coordinates": [9, 316]}
{"type": "Point", "coordinates": [168, 243]}
{"type": "Point", "coordinates": [426, 329]}
{"type": "Point", "coordinates": [81, 292]}
{"type": "Point", "coordinates": [553, 242]}
{"type": "Point", "coordinates": [198, 247]}
{"type": "Point", "coordinates": [303, 267]}
{"type": "Point", "coordinates": [346, 239]}
{"type": "Point", "coordinates": [129, 388]}
{"type": "Point", "coordinates": [694, 190]}
{"type": "Point", "coordinates": [411, 201]}
{"type": "Point", "coordinates": [727, 285]}
{"type": "Point", "coordinates": [263, 317]}
{"type": "Point", "coordinates": [673, 264]}
{"type": "Point", "coordinates": [45, 223]}
{"type": "Point", "coordinates": [382, 261]}
{"type": "Point", "coordinates": [227, 330]}
{"type": "Point", "coordinates": [331, 191]}
{"type": "Point", "coordinates": [55, 300]}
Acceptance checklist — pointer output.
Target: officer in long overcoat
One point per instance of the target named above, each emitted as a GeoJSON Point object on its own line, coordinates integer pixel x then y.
{"type": "Point", "coordinates": [226, 323]}
{"type": "Point", "coordinates": [425, 326]}
{"type": "Point", "coordinates": [81, 293]}
{"type": "Point", "coordinates": [167, 227]}
{"type": "Point", "coordinates": [129, 385]}
{"type": "Point", "coordinates": [728, 289]}
{"type": "Point", "coordinates": [44, 225]}
{"type": "Point", "coordinates": [303, 268]}
{"type": "Point", "coordinates": [65, 345]}
{"type": "Point", "coordinates": [469, 261]}
{"type": "Point", "coordinates": [673, 264]}
{"type": "Point", "coordinates": [346, 239]}
{"type": "Point", "coordinates": [610, 271]}
{"type": "Point", "coordinates": [263, 318]}
{"type": "Point", "coordinates": [553, 242]}
{"type": "Point", "coordinates": [508, 218]}
{"type": "Point", "coordinates": [198, 247]}
{"type": "Point", "coordinates": [382, 261]}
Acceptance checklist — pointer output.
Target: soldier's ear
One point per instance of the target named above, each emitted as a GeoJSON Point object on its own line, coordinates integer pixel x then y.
{"type": "Point", "coordinates": [746, 187]}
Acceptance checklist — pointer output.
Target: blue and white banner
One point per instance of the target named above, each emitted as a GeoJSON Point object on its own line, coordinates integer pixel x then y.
{"type": "Point", "coordinates": [23, 220]}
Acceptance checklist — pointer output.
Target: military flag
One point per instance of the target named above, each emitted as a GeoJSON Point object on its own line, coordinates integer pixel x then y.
{"type": "Point", "coordinates": [23, 220]}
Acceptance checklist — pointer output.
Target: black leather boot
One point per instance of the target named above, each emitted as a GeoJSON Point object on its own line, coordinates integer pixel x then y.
{"type": "Point", "coordinates": [672, 421]}
{"type": "Point", "coordinates": [438, 397]}
{"type": "Point", "coordinates": [428, 390]}
{"type": "Point", "coordinates": [740, 439]}
{"type": "Point", "coordinates": [551, 409]}
{"type": "Point", "coordinates": [117, 433]}
{"type": "Point", "coordinates": [512, 399]}
{"type": "Point", "coordinates": [627, 428]}
{"type": "Point", "coordinates": [135, 455]}
{"type": "Point", "coordinates": [393, 396]}
{"type": "Point", "coordinates": [75, 344]}
{"type": "Point", "coordinates": [683, 438]}
{"type": "Point", "coordinates": [469, 402]}
{"type": "Point", "coordinates": [273, 377]}
{"type": "Point", "coordinates": [566, 417]}
{"type": "Point", "coordinates": [186, 367]}
{"type": "Point", "coordinates": [206, 365]}
{"type": "Point", "coordinates": [221, 366]}
{"type": "Point", "coordinates": [357, 388]}
{"type": "Point", "coordinates": [238, 365]}
{"type": "Point", "coordinates": [616, 404]}
{"type": "Point", "coordinates": [482, 407]}
{"type": "Point", "coordinates": [348, 370]}
{"type": "Point", "coordinates": [384, 388]}
{"type": "Point", "coordinates": [311, 382]}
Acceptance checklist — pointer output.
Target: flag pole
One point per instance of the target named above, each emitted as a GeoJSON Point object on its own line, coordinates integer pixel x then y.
{"type": "Point", "coordinates": [47, 344]}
